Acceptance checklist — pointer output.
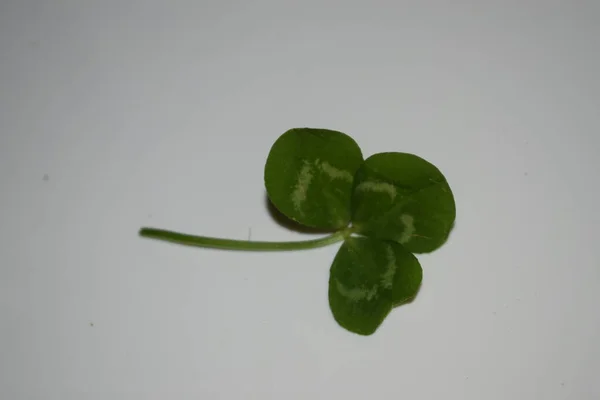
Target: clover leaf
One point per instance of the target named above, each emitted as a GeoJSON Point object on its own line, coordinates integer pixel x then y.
{"type": "Point", "coordinates": [383, 209]}
{"type": "Point", "coordinates": [402, 197]}
{"type": "Point", "coordinates": [309, 175]}
{"type": "Point", "coordinates": [368, 277]}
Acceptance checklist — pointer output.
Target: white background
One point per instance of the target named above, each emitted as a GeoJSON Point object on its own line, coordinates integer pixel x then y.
{"type": "Point", "coordinates": [121, 114]}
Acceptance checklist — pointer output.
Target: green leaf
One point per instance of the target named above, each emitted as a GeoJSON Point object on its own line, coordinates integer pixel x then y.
{"type": "Point", "coordinates": [367, 279]}
{"type": "Point", "coordinates": [309, 176]}
{"type": "Point", "coordinates": [384, 209]}
{"type": "Point", "coordinates": [402, 197]}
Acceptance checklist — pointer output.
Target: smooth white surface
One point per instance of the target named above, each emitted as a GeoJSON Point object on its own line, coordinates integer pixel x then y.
{"type": "Point", "coordinates": [119, 114]}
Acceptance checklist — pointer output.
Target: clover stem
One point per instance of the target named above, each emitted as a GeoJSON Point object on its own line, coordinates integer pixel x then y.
{"type": "Point", "coordinates": [229, 244]}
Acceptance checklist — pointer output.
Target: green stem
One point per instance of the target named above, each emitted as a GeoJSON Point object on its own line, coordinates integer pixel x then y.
{"type": "Point", "coordinates": [229, 244]}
